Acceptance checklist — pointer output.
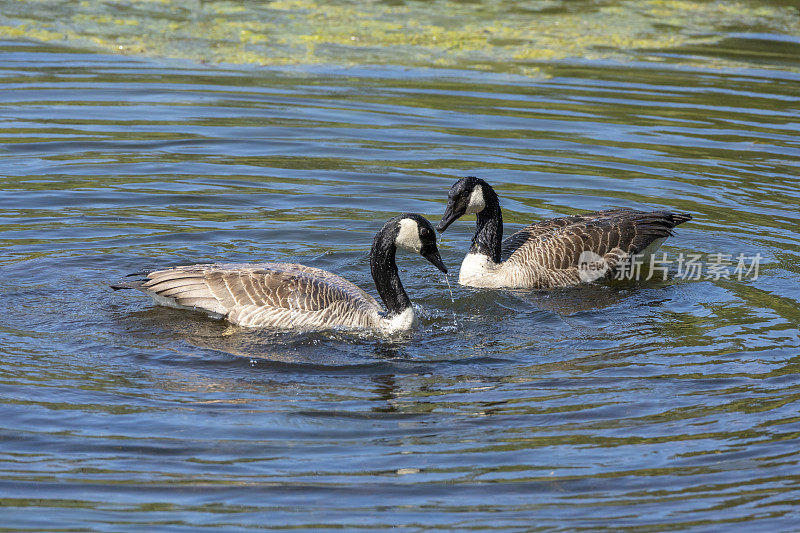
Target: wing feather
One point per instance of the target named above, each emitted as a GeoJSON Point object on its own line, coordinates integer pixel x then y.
{"type": "Point", "coordinates": [553, 247]}
{"type": "Point", "coordinates": [265, 294]}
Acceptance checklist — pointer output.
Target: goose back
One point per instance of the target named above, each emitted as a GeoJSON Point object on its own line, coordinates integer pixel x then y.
{"type": "Point", "coordinates": [549, 253]}
{"type": "Point", "coordinates": [279, 295]}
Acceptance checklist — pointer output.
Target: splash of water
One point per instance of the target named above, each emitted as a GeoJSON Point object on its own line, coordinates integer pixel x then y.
{"type": "Point", "coordinates": [450, 289]}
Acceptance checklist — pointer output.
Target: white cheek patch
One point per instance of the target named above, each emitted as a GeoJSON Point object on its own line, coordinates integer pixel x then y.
{"type": "Point", "coordinates": [408, 236]}
{"type": "Point", "coordinates": [476, 203]}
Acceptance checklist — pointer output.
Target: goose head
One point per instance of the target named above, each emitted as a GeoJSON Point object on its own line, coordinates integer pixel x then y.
{"type": "Point", "coordinates": [410, 232]}
{"type": "Point", "coordinates": [415, 234]}
{"type": "Point", "coordinates": [467, 195]}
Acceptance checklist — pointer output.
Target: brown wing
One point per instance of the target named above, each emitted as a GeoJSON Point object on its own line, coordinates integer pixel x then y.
{"type": "Point", "coordinates": [267, 294]}
{"type": "Point", "coordinates": [558, 243]}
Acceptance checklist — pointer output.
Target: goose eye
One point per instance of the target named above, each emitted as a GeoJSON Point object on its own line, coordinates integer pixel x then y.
{"type": "Point", "coordinates": [424, 232]}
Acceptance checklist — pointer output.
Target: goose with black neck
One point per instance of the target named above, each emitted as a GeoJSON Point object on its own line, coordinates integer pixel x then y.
{"type": "Point", "coordinates": [299, 297]}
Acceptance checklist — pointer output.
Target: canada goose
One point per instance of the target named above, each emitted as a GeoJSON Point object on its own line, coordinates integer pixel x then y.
{"type": "Point", "coordinates": [293, 296]}
{"type": "Point", "coordinates": [559, 252]}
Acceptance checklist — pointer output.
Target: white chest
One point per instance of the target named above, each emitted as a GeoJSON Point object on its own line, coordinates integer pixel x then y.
{"type": "Point", "coordinates": [477, 270]}
{"type": "Point", "coordinates": [401, 322]}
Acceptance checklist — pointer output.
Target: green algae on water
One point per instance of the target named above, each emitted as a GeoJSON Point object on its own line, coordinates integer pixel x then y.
{"type": "Point", "coordinates": [494, 35]}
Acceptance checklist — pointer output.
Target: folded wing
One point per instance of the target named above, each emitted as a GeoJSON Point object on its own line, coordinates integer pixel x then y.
{"type": "Point", "coordinates": [558, 246]}
{"type": "Point", "coordinates": [265, 294]}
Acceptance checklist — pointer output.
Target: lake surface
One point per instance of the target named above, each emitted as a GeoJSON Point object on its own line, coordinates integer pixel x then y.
{"type": "Point", "coordinates": [651, 405]}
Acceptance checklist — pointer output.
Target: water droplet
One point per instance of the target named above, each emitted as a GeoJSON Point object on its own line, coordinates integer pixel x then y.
{"type": "Point", "coordinates": [452, 299]}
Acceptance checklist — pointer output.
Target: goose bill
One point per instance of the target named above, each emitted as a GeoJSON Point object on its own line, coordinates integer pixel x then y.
{"type": "Point", "coordinates": [432, 255]}
{"type": "Point", "coordinates": [451, 214]}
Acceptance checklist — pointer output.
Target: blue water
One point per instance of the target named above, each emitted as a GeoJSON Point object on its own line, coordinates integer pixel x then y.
{"type": "Point", "coordinates": [648, 405]}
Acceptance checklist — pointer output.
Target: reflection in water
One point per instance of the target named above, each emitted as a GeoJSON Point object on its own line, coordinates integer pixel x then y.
{"type": "Point", "coordinates": [385, 391]}
{"type": "Point", "coordinates": [567, 302]}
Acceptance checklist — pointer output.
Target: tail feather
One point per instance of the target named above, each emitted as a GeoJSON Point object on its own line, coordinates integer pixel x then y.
{"type": "Point", "coordinates": [130, 284]}
{"type": "Point", "coordinates": [679, 218]}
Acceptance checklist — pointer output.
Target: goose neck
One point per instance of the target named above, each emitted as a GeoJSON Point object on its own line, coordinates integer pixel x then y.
{"type": "Point", "coordinates": [386, 276]}
{"type": "Point", "coordinates": [488, 236]}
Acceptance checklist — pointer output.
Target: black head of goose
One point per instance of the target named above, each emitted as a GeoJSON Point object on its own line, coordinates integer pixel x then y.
{"type": "Point", "coordinates": [294, 296]}
{"type": "Point", "coordinates": [558, 252]}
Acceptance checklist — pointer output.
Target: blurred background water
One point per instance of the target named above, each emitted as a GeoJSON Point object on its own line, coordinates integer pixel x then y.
{"type": "Point", "coordinates": [144, 134]}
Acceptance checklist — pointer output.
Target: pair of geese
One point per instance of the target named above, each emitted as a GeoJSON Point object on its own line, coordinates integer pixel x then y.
{"type": "Point", "coordinates": [544, 254]}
